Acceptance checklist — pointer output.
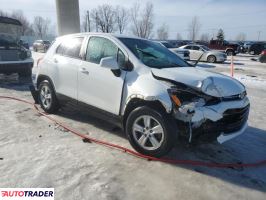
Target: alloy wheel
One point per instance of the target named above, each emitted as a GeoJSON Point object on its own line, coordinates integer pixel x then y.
{"type": "Point", "coordinates": [148, 132]}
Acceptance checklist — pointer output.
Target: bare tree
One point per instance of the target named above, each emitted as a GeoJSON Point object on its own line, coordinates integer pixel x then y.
{"type": "Point", "coordinates": [241, 37]}
{"type": "Point", "coordinates": [41, 26]}
{"type": "Point", "coordinates": [26, 26]}
{"type": "Point", "coordinates": [104, 18]}
{"type": "Point", "coordinates": [142, 20]}
{"type": "Point", "coordinates": [193, 28]}
{"type": "Point", "coordinates": [179, 36]}
{"type": "Point", "coordinates": [205, 37]}
{"type": "Point", "coordinates": [121, 18]}
{"type": "Point", "coordinates": [3, 14]}
{"type": "Point", "coordinates": [162, 32]}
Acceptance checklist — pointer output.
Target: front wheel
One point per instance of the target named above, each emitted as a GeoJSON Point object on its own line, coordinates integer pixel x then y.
{"type": "Point", "coordinates": [230, 52]}
{"type": "Point", "coordinates": [211, 59]}
{"type": "Point", "coordinates": [151, 132]}
{"type": "Point", "coordinates": [47, 97]}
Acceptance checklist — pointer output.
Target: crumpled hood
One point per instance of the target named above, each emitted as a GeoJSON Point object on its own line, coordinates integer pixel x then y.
{"type": "Point", "coordinates": [210, 83]}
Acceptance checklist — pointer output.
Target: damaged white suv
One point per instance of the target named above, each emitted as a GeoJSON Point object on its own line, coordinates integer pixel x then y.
{"type": "Point", "coordinates": [155, 96]}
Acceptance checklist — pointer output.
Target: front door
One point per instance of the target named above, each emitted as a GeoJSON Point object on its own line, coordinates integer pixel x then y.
{"type": "Point", "coordinates": [98, 86]}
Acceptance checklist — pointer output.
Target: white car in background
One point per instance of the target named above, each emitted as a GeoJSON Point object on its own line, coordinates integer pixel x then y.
{"type": "Point", "coordinates": [208, 55]}
{"type": "Point", "coordinates": [182, 53]}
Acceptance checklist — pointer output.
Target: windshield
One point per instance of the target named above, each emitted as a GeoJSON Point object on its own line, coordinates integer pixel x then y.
{"type": "Point", "coordinates": [167, 45]}
{"type": "Point", "coordinates": [153, 54]}
{"type": "Point", "coordinates": [205, 48]}
{"type": "Point", "coordinates": [46, 42]}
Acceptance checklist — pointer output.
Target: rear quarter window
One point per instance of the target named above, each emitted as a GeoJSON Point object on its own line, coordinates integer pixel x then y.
{"type": "Point", "coordinates": [70, 47]}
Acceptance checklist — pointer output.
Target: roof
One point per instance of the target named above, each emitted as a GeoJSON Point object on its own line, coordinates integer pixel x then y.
{"type": "Point", "coordinates": [102, 34]}
{"type": "Point", "coordinates": [7, 20]}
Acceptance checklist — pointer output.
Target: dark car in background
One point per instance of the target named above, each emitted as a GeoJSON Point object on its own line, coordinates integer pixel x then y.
{"type": "Point", "coordinates": [225, 46]}
{"type": "Point", "coordinates": [24, 44]}
{"type": "Point", "coordinates": [41, 45]}
{"type": "Point", "coordinates": [262, 57]}
{"type": "Point", "coordinates": [257, 48]}
{"type": "Point", "coordinates": [14, 57]}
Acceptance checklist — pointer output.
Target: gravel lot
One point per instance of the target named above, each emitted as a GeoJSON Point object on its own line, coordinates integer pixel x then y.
{"type": "Point", "coordinates": [35, 152]}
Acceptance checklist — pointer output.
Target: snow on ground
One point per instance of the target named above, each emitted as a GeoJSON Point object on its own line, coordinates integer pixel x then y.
{"type": "Point", "coordinates": [35, 152]}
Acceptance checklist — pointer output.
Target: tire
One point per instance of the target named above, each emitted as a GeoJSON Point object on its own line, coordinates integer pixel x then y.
{"type": "Point", "coordinates": [211, 59]}
{"type": "Point", "coordinates": [154, 144]}
{"type": "Point", "coordinates": [25, 73]}
{"type": "Point", "coordinates": [229, 52]}
{"type": "Point", "coordinates": [47, 97]}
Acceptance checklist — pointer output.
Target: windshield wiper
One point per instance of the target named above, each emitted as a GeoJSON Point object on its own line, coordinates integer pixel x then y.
{"type": "Point", "coordinates": [147, 53]}
{"type": "Point", "coordinates": [198, 60]}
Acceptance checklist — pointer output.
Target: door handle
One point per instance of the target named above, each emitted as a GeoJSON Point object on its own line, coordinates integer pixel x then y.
{"type": "Point", "coordinates": [84, 71]}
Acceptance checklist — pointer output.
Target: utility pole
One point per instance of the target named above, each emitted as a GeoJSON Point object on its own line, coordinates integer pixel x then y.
{"type": "Point", "coordinates": [88, 22]}
{"type": "Point", "coordinates": [96, 21]}
{"type": "Point", "coordinates": [259, 35]}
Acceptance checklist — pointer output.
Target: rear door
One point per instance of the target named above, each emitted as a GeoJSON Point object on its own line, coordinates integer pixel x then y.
{"type": "Point", "coordinates": [192, 54]}
{"type": "Point", "coordinates": [98, 86]}
{"type": "Point", "coordinates": [196, 52]}
{"type": "Point", "coordinates": [67, 61]}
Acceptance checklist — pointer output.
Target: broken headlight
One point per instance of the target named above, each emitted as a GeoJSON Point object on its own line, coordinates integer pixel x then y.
{"type": "Point", "coordinates": [187, 95]}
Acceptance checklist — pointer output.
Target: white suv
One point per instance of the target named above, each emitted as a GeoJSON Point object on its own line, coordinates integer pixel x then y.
{"type": "Point", "coordinates": [155, 96]}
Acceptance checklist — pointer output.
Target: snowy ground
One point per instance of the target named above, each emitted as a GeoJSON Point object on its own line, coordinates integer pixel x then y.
{"type": "Point", "coordinates": [36, 153]}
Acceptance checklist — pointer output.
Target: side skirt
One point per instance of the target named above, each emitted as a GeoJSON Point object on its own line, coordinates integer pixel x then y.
{"type": "Point", "coordinates": [91, 110]}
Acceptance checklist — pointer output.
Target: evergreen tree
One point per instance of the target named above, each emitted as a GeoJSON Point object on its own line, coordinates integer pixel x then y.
{"type": "Point", "coordinates": [220, 35]}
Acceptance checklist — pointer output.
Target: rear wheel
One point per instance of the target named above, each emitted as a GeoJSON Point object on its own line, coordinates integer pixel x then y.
{"type": "Point", "coordinates": [151, 132]}
{"type": "Point", "coordinates": [47, 97]}
{"type": "Point", "coordinates": [230, 52]}
{"type": "Point", "coordinates": [211, 59]}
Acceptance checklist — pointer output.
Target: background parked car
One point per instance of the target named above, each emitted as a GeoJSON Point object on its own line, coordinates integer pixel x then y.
{"type": "Point", "coordinates": [182, 53]}
{"type": "Point", "coordinates": [262, 57]}
{"type": "Point", "coordinates": [208, 55]}
{"type": "Point", "coordinates": [257, 48]}
{"type": "Point", "coordinates": [247, 46]}
{"type": "Point", "coordinates": [24, 44]}
{"type": "Point", "coordinates": [225, 46]}
{"type": "Point", "coordinates": [41, 45]}
{"type": "Point", "coordinates": [14, 57]}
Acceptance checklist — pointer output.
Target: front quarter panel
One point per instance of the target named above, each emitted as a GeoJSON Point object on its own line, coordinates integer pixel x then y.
{"type": "Point", "coordinates": [146, 87]}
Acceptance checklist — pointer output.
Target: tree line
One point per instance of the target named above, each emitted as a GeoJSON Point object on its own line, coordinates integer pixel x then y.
{"type": "Point", "coordinates": [137, 20]}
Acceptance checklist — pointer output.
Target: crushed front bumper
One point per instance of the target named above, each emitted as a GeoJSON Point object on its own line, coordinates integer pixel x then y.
{"type": "Point", "coordinates": [221, 122]}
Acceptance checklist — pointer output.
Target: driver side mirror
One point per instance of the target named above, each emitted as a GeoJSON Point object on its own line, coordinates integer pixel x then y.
{"type": "Point", "coordinates": [111, 63]}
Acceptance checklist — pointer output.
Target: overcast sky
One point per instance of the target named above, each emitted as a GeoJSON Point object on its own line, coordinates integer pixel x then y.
{"type": "Point", "coordinates": [233, 16]}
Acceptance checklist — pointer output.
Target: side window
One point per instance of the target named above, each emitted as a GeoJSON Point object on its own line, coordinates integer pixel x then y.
{"type": "Point", "coordinates": [94, 50]}
{"type": "Point", "coordinates": [99, 48]}
{"type": "Point", "coordinates": [60, 49]}
{"type": "Point", "coordinates": [196, 48]}
{"type": "Point", "coordinates": [188, 47]}
{"type": "Point", "coordinates": [109, 49]}
{"type": "Point", "coordinates": [70, 47]}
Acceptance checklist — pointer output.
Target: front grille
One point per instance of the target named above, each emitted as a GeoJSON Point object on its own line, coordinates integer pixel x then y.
{"type": "Point", "coordinates": [234, 119]}
{"type": "Point", "coordinates": [234, 97]}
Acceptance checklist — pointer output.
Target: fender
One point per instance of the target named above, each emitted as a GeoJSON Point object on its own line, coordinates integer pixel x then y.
{"type": "Point", "coordinates": [147, 88]}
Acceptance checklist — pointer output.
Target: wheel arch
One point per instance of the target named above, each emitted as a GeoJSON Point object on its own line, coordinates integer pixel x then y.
{"type": "Point", "coordinates": [136, 102]}
{"type": "Point", "coordinates": [42, 77]}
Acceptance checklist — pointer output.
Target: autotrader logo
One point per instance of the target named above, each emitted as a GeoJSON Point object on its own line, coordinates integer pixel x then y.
{"type": "Point", "coordinates": [27, 193]}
